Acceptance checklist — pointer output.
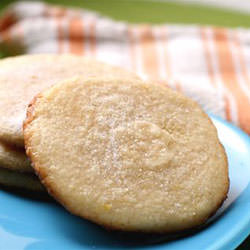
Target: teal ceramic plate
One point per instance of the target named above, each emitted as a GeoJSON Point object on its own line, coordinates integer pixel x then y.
{"type": "Point", "coordinates": [29, 223]}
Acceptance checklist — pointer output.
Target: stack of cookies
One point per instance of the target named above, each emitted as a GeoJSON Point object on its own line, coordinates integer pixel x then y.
{"type": "Point", "coordinates": [21, 78]}
{"type": "Point", "coordinates": [123, 153]}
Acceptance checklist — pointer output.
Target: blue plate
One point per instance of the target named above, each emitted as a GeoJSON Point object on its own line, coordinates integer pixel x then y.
{"type": "Point", "coordinates": [28, 223]}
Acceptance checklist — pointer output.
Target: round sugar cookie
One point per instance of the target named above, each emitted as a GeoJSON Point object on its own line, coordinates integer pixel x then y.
{"type": "Point", "coordinates": [127, 155]}
{"type": "Point", "coordinates": [21, 181]}
{"type": "Point", "coordinates": [14, 158]}
{"type": "Point", "coordinates": [22, 77]}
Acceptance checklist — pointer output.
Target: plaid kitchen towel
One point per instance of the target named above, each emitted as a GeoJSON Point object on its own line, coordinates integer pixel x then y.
{"type": "Point", "coordinates": [211, 65]}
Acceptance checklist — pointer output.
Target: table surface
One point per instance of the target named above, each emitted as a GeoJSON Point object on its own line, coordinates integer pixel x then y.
{"type": "Point", "coordinates": [138, 11]}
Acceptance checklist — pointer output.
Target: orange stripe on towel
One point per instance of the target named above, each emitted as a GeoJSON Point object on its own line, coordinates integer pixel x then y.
{"type": "Point", "coordinates": [149, 53]}
{"type": "Point", "coordinates": [6, 37]}
{"type": "Point", "coordinates": [7, 21]}
{"type": "Point", "coordinates": [76, 36]}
